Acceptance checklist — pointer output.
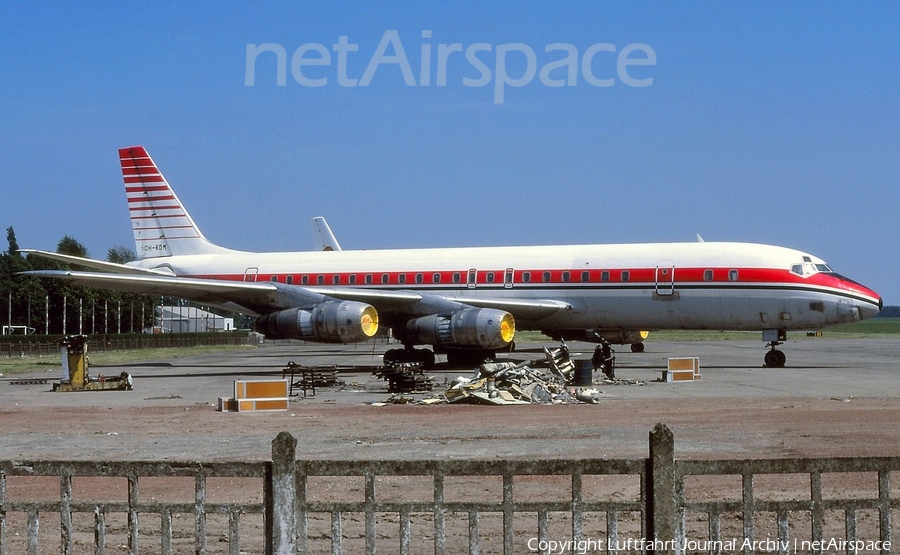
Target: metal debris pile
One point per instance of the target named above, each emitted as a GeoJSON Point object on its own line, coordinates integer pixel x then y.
{"type": "Point", "coordinates": [507, 383]}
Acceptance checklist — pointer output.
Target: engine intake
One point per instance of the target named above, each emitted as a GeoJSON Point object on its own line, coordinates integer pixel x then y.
{"type": "Point", "coordinates": [481, 328]}
{"type": "Point", "coordinates": [328, 322]}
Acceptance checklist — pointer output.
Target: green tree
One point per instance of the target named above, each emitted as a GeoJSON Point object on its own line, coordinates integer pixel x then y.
{"type": "Point", "coordinates": [22, 295]}
{"type": "Point", "coordinates": [120, 255]}
{"type": "Point", "coordinates": [11, 239]}
{"type": "Point", "coordinates": [68, 245]}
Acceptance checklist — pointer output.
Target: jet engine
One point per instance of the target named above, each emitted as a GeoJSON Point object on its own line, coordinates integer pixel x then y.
{"type": "Point", "coordinates": [328, 322]}
{"type": "Point", "coordinates": [475, 328]}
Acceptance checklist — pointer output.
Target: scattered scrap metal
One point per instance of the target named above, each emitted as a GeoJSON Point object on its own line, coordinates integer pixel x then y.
{"type": "Point", "coordinates": [507, 383]}
{"type": "Point", "coordinates": [308, 378]}
{"type": "Point", "coordinates": [554, 380]}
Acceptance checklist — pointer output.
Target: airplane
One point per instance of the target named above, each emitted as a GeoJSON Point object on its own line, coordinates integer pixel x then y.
{"type": "Point", "coordinates": [468, 302]}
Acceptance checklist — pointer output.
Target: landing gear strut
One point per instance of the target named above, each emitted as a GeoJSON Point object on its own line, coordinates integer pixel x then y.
{"type": "Point", "coordinates": [773, 338]}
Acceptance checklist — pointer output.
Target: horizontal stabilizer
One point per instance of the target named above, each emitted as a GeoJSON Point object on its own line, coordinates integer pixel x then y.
{"type": "Point", "coordinates": [95, 264]}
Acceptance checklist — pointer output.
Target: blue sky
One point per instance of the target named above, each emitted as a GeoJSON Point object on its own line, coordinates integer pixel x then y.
{"type": "Point", "coordinates": [764, 122]}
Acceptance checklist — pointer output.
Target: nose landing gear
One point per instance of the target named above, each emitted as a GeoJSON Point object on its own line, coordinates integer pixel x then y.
{"type": "Point", "coordinates": [775, 358]}
{"type": "Point", "coordinates": [773, 338]}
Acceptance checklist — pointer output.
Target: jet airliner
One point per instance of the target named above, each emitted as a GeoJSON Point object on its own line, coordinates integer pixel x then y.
{"type": "Point", "coordinates": [469, 302]}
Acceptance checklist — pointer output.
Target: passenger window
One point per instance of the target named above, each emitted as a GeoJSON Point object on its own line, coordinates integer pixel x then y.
{"type": "Point", "coordinates": [274, 279]}
{"type": "Point", "coordinates": [289, 280]}
{"type": "Point", "coordinates": [419, 278]}
{"type": "Point", "coordinates": [385, 278]}
{"type": "Point", "coordinates": [707, 275]}
{"type": "Point", "coordinates": [304, 280]}
{"type": "Point", "coordinates": [368, 279]}
{"type": "Point", "coordinates": [401, 278]}
{"type": "Point", "coordinates": [585, 276]}
{"type": "Point", "coordinates": [320, 279]}
{"type": "Point", "coordinates": [626, 275]}
{"type": "Point", "coordinates": [352, 279]}
{"type": "Point", "coordinates": [732, 275]}
{"type": "Point", "coordinates": [436, 278]}
{"type": "Point", "coordinates": [456, 277]}
{"type": "Point", "coordinates": [546, 277]}
{"type": "Point", "coordinates": [604, 275]}
{"type": "Point", "coordinates": [336, 279]}
{"type": "Point", "coordinates": [526, 277]}
{"type": "Point", "coordinates": [566, 276]}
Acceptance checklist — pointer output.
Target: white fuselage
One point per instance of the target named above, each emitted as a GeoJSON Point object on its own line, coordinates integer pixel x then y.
{"type": "Point", "coordinates": [727, 286]}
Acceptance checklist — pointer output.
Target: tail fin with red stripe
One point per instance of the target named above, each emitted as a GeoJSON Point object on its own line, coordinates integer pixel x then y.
{"type": "Point", "coordinates": [162, 227]}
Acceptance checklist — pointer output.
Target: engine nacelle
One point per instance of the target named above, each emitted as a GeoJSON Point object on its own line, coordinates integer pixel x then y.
{"type": "Point", "coordinates": [475, 328]}
{"type": "Point", "coordinates": [328, 322]}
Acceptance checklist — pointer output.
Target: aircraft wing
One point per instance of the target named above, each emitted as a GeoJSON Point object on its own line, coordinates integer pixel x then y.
{"type": "Point", "coordinates": [323, 236]}
{"type": "Point", "coordinates": [396, 300]}
{"type": "Point", "coordinates": [251, 297]}
{"type": "Point", "coordinates": [258, 298]}
{"type": "Point", "coordinates": [94, 264]}
{"type": "Point", "coordinates": [520, 308]}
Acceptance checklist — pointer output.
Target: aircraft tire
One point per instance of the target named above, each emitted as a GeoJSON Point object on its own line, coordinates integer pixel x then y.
{"type": "Point", "coordinates": [426, 357]}
{"type": "Point", "coordinates": [637, 347]}
{"type": "Point", "coordinates": [775, 359]}
{"type": "Point", "coordinates": [392, 356]}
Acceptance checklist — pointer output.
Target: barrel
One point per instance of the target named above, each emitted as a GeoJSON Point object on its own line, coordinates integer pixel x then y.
{"type": "Point", "coordinates": [584, 373]}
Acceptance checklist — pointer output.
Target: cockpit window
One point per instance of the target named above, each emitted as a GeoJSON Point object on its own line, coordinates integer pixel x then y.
{"type": "Point", "coordinates": [809, 267]}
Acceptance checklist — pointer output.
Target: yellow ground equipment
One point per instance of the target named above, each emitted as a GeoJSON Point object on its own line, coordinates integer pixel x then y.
{"type": "Point", "coordinates": [73, 350]}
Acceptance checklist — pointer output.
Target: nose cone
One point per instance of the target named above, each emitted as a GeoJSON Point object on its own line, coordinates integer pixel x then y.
{"type": "Point", "coordinates": [868, 310]}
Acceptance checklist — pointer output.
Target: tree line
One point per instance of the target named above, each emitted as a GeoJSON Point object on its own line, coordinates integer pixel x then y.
{"type": "Point", "coordinates": [57, 307]}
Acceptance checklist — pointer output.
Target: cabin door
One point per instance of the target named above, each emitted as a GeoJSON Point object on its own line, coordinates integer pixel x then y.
{"type": "Point", "coordinates": [665, 280]}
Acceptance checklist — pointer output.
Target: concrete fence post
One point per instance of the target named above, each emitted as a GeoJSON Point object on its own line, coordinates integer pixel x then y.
{"type": "Point", "coordinates": [662, 523]}
{"type": "Point", "coordinates": [281, 504]}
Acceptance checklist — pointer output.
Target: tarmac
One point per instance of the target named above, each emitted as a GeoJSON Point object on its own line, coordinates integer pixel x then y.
{"type": "Point", "coordinates": [835, 397]}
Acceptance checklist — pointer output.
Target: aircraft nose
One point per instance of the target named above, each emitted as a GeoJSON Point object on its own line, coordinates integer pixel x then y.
{"type": "Point", "coordinates": [868, 310]}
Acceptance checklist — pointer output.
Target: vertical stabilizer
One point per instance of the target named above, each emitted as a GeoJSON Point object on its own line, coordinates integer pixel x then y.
{"type": "Point", "coordinates": [161, 225]}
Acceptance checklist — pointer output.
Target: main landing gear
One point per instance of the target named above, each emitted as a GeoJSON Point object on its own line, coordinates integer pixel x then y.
{"type": "Point", "coordinates": [773, 338]}
{"type": "Point", "coordinates": [425, 357]}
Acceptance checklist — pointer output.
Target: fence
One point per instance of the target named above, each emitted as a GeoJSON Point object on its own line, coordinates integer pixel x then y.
{"type": "Point", "coordinates": [452, 506]}
{"type": "Point", "coordinates": [114, 343]}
